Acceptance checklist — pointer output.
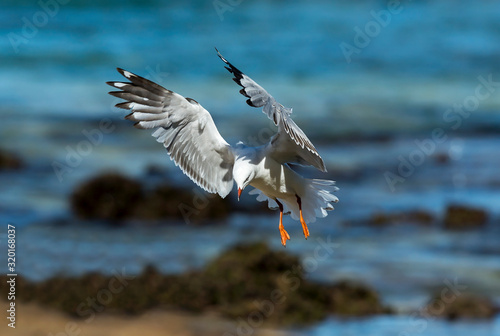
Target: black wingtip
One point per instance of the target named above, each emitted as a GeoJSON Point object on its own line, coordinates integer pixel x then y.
{"type": "Point", "coordinates": [116, 93]}
{"type": "Point", "coordinates": [122, 72]}
{"type": "Point", "coordinates": [238, 75]}
{"type": "Point", "coordinates": [125, 73]}
{"type": "Point", "coordinates": [243, 92]}
{"type": "Point", "coordinates": [231, 68]}
{"type": "Point", "coordinates": [220, 56]}
{"type": "Point", "coordinates": [124, 105]}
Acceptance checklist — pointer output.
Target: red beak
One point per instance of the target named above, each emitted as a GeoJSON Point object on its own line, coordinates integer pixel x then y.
{"type": "Point", "coordinates": [239, 193]}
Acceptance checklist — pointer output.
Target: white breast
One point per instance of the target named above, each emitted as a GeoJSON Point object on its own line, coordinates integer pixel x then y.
{"type": "Point", "coordinates": [276, 180]}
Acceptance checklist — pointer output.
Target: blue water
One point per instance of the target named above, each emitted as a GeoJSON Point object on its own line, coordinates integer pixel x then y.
{"type": "Point", "coordinates": [363, 113]}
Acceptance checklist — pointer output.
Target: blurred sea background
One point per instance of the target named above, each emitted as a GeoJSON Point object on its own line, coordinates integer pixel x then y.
{"type": "Point", "coordinates": [366, 113]}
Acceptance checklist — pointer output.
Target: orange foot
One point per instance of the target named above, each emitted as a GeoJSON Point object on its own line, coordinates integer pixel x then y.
{"type": "Point", "coordinates": [302, 221]}
{"type": "Point", "coordinates": [304, 225]}
{"type": "Point", "coordinates": [284, 235]}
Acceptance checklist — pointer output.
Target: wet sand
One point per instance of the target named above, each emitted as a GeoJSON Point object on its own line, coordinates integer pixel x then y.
{"type": "Point", "coordinates": [34, 320]}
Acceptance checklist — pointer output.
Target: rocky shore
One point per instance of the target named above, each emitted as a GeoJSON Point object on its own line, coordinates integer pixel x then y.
{"type": "Point", "coordinates": [244, 281]}
{"type": "Point", "coordinates": [249, 282]}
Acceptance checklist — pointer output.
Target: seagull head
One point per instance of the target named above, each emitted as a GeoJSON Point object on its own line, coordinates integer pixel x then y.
{"type": "Point", "coordinates": [243, 174]}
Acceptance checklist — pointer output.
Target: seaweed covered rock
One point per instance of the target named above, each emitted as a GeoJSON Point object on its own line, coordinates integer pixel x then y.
{"type": "Point", "coordinates": [243, 260]}
{"type": "Point", "coordinates": [174, 202]}
{"type": "Point", "coordinates": [247, 275]}
{"type": "Point", "coordinates": [462, 217]}
{"type": "Point", "coordinates": [462, 307]}
{"type": "Point", "coordinates": [353, 299]}
{"type": "Point", "coordinates": [9, 161]}
{"type": "Point", "coordinates": [246, 281]}
{"type": "Point", "coordinates": [109, 197]}
{"type": "Point", "coordinates": [414, 217]}
{"type": "Point", "coordinates": [114, 197]}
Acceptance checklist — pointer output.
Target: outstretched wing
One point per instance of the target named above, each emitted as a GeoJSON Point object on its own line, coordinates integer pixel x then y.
{"type": "Point", "coordinates": [290, 144]}
{"type": "Point", "coordinates": [184, 127]}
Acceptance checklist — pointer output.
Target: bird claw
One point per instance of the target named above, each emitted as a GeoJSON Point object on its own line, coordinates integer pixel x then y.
{"type": "Point", "coordinates": [304, 225]}
{"type": "Point", "coordinates": [302, 221]}
{"type": "Point", "coordinates": [304, 228]}
{"type": "Point", "coordinates": [284, 236]}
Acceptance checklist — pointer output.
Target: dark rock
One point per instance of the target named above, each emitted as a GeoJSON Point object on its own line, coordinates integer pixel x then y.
{"type": "Point", "coordinates": [348, 298]}
{"type": "Point", "coordinates": [111, 197]}
{"type": "Point", "coordinates": [173, 202]}
{"type": "Point", "coordinates": [9, 161]}
{"type": "Point", "coordinates": [245, 281]}
{"type": "Point", "coordinates": [114, 197]}
{"type": "Point", "coordinates": [415, 216]}
{"type": "Point", "coordinates": [462, 217]}
{"type": "Point", "coordinates": [462, 307]}
{"type": "Point", "coordinates": [441, 158]}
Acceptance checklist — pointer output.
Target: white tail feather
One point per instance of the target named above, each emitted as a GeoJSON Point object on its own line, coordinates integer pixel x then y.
{"type": "Point", "coordinates": [316, 201]}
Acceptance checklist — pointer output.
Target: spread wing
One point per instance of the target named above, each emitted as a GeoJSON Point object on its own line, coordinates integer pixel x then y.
{"type": "Point", "coordinates": [290, 144]}
{"type": "Point", "coordinates": [184, 127]}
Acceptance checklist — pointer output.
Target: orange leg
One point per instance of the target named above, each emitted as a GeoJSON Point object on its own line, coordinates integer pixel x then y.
{"type": "Point", "coordinates": [284, 235]}
{"type": "Point", "coordinates": [304, 225]}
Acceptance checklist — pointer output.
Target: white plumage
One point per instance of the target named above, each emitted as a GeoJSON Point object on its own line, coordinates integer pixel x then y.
{"type": "Point", "coordinates": [193, 142]}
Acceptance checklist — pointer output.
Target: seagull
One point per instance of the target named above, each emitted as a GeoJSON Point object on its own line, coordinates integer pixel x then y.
{"type": "Point", "coordinates": [192, 140]}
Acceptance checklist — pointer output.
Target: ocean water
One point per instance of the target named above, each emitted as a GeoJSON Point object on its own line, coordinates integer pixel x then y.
{"type": "Point", "coordinates": [423, 67]}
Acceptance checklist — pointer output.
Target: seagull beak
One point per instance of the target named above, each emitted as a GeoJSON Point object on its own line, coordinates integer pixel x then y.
{"type": "Point", "coordinates": [239, 193]}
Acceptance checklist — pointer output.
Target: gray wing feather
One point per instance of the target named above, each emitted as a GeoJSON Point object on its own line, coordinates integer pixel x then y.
{"type": "Point", "coordinates": [290, 144]}
{"type": "Point", "coordinates": [184, 127]}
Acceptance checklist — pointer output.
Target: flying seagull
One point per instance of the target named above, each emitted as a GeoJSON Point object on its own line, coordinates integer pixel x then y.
{"type": "Point", "coordinates": [193, 142]}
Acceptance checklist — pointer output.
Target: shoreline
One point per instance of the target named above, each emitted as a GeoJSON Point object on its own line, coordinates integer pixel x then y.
{"type": "Point", "coordinates": [35, 319]}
